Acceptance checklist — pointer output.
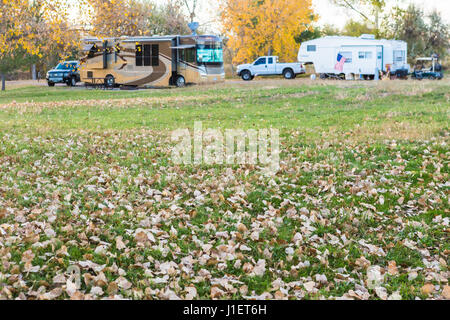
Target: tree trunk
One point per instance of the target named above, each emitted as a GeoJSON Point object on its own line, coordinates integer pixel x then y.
{"type": "Point", "coordinates": [33, 71]}
{"type": "Point", "coordinates": [3, 82]}
{"type": "Point", "coordinates": [377, 19]}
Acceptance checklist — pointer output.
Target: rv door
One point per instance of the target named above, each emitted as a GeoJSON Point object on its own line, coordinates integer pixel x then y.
{"type": "Point", "coordinates": [380, 58]}
{"type": "Point", "coordinates": [181, 63]}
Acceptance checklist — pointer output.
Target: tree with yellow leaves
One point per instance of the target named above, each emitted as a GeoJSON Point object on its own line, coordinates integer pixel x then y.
{"type": "Point", "coordinates": [260, 27]}
{"type": "Point", "coordinates": [29, 29]}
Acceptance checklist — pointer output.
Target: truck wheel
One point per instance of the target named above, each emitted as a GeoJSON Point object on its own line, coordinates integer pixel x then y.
{"type": "Point", "coordinates": [246, 76]}
{"type": "Point", "coordinates": [51, 84]}
{"type": "Point", "coordinates": [72, 82]}
{"type": "Point", "coordinates": [288, 74]}
{"type": "Point", "coordinates": [180, 82]}
{"type": "Point", "coordinates": [110, 82]}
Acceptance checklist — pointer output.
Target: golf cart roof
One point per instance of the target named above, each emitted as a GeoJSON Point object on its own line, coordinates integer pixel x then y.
{"type": "Point", "coordinates": [426, 59]}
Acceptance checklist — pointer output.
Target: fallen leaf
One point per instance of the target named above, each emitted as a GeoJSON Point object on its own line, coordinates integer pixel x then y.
{"type": "Point", "coordinates": [309, 286]}
{"type": "Point", "coordinates": [381, 293]}
{"type": "Point", "coordinates": [427, 289]}
{"type": "Point", "coordinates": [216, 292]}
{"type": "Point", "coordinates": [392, 268]}
{"type": "Point", "coordinates": [446, 292]}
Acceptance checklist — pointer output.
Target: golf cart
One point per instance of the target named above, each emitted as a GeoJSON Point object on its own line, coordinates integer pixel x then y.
{"type": "Point", "coordinates": [428, 68]}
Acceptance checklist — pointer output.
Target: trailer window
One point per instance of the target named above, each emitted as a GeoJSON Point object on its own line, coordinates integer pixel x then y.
{"type": "Point", "coordinates": [311, 48]}
{"type": "Point", "coordinates": [147, 55]}
{"type": "Point", "coordinates": [399, 55]}
{"type": "Point", "coordinates": [365, 55]}
{"type": "Point", "coordinates": [347, 55]}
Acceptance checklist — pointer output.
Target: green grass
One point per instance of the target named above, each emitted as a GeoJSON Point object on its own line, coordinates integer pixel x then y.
{"type": "Point", "coordinates": [311, 109]}
{"type": "Point", "coordinates": [364, 171]}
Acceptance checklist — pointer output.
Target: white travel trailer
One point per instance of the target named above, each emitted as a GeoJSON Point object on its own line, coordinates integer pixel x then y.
{"type": "Point", "coordinates": [363, 56]}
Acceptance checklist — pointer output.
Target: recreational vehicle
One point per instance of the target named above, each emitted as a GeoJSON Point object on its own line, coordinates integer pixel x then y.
{"type": "Point", "coordinates": [152, 61]}
{"type": "Point", "coordinates": [336, 56]}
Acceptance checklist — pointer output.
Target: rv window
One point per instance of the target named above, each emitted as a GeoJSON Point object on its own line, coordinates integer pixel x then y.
{"type": "Point", "coordinates": [260, 61]}
{"type": "Point", "coordinates": [190, 55]}
{"type": "Point", "coordinates": [347, 55]}
{"type": "Point", "coordinates": [311, 48]}
{"type": "Point", "coordinates": [155, 55]}
{"type": "Point", "coordinates": [379, 55]}
{"type": "Point", "coordinates": [139, 55]}
{"type": "Point", "coordinates": [147, 55]}
{"type": "Point", "coordinates": [270, 60]}
{"type": "Point", "coordinates": [365, 55]}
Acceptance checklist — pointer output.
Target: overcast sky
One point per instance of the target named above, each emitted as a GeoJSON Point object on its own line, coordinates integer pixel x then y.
{"type": "Point", "coordinates": [338, 16]}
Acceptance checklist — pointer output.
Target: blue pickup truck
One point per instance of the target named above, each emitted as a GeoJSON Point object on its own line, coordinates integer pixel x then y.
{"type": "Point", "coordinates": [65, 72]}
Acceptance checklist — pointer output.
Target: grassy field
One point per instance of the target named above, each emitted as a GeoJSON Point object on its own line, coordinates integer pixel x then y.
{"type": "Point", "coordinates": [358, 210]}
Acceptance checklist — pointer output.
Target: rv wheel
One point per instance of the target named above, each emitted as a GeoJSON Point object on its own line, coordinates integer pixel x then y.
{"type": "Point", "coordinates": [109, 81]}
{"type": "Point", "coordinates": [51, 84]}
{"type": "Point", "coordinates": [180, 82]}
{"type": "Point", "coordinates": [288, 74]}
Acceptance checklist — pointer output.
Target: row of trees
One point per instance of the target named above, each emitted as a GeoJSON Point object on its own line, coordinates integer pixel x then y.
{"type": "Point", "coordinates": [30, 31]}
{"type": "Point", "coordinates": [258, 27]}
{"type": "Point", "coordinates": [425, 34]}
{"type": "Point", "coordinates": [41, 31]}
{"type": "Point", "coordinates": [44, 32]}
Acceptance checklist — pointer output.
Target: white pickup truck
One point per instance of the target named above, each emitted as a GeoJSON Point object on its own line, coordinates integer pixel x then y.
{"type": "Point", "coordinates": [269, 66]}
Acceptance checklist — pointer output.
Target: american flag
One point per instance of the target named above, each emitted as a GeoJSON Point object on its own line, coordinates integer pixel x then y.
{"type": "Point", "coordinates": [340, 63]}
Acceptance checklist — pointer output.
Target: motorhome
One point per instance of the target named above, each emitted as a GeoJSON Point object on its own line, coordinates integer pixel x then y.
{"type": "Point", "coordinates": [156, 61]}
{"type": "Point", "coordinates": [363, 56]}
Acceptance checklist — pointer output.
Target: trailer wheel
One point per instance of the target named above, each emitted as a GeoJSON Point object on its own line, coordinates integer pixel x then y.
{"type": "Point", "coordinates": [246, 75]}
{"type": "Point", "coordinates": [110, 82]}
{"type": "Point", "coordinates": [288, 74]}
{"type": "Point", "coordinates": [180, 82]}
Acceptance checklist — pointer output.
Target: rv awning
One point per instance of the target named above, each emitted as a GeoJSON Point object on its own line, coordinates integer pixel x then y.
{"type": "Point", "coordinates": [88, 47]}
{"type": "Point", "coordinates": [184, 46]}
